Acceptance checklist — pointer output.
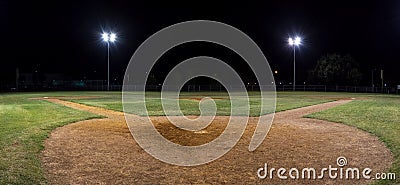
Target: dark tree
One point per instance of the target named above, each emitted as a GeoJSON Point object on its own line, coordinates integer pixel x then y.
{"type": "Point", "coordinates": [335, 69]}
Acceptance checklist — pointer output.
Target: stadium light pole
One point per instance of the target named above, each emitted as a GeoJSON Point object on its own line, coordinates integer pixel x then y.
{"type": "Point", "coordinates": [108, 37]}
{"type": "Point", "coordinates": [294, 42]}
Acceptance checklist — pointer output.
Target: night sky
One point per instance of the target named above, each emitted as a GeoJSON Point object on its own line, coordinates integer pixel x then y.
{"type": "Point", "coordinates": [64, 36]}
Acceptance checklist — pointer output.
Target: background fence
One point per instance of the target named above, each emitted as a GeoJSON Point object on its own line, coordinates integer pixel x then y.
{"type": "Point", "coordinates": [101, 85]}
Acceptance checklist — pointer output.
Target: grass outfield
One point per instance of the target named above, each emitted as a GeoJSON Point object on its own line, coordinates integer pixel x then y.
{"type": "Point", "coordinates": [25, 123]}
{"type": "Point", "coordinates": [379, 115]}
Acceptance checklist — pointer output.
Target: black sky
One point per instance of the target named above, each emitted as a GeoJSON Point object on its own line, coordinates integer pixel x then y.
{"type": "Point", "coordinates": [64, 36]}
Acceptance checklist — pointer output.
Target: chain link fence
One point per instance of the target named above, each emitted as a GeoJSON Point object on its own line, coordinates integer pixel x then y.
{"type": "Point", "coordinates": [101, 85]}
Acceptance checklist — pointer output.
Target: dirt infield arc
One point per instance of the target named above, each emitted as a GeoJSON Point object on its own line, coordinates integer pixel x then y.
{"type": "Point", "coordinates": [103, 151]}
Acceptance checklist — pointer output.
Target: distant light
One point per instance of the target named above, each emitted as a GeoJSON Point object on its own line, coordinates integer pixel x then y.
{"type": "Point", "coordinates": [276, 72]}
{"type": "Point", "coordinates": [113, 37]}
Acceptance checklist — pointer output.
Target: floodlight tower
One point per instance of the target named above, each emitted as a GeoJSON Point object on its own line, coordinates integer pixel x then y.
{"type": "Point", "coordinates": [294, 42]}
{"type": "Point", "coordinates": [108, 37]}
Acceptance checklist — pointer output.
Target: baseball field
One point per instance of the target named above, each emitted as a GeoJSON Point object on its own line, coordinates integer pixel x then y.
{"type": "Point", "coordinates": [81, 137]}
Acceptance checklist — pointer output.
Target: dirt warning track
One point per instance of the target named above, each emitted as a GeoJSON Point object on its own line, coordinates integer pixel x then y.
{"type": "Point", "coordinates": [103, 151]}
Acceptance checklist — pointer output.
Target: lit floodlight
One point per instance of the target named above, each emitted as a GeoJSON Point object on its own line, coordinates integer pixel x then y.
{"type": "Point", "coordinates": [113, 37]}
{"type": "Point", "coordinates": [294, 43]}
{"type": "Point", "coordinates": [105, 37]}
{"type": "Point", "coordinates": [290, 40]}
{"type": "Point", "coordinates": [108, 37]}
{"type": "Point", "coordinates": [297, 41]}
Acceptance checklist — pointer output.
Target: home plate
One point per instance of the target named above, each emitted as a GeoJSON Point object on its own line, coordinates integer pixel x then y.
{"type": "Point", "coordinates": [201, 132]}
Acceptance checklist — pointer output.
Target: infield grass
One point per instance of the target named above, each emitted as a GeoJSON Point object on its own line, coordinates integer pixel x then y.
{"type": "Point", "coordinates": [189, 102]}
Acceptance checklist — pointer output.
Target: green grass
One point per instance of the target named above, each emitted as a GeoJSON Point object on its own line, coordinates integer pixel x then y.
{"type": "Point", "coordinates": [24, 125]}
{"type": "Point", "coordinates": [379, 115]}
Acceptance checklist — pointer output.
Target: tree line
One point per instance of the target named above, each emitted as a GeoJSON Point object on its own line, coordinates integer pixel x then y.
{"type": "Point", "coordinates": [336, 69]}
